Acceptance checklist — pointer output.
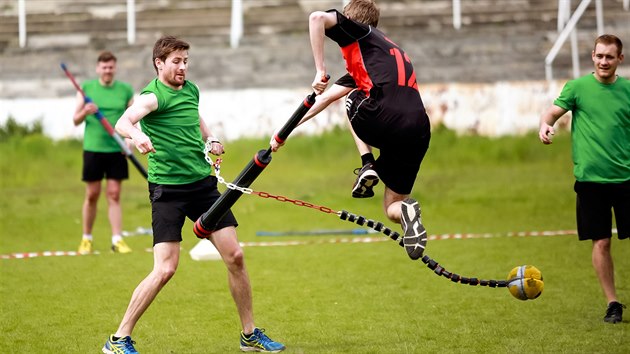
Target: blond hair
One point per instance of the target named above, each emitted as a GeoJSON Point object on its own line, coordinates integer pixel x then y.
{"type": "Point", "coordinates": [363, 11]}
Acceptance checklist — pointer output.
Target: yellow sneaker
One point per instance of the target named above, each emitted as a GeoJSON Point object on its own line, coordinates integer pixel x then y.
{"type": "Point", "coordinates": [121, 247]}
{"type": "Point", "coordinates": [85, 247]}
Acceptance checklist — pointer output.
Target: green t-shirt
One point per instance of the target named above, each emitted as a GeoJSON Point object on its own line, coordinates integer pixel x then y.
{"type": "Point", "coordinates": [600, 128]}
{"type": "Point", "coordinates": [174, 131]}
{"type": "Point", "coordinates": [111, 102]}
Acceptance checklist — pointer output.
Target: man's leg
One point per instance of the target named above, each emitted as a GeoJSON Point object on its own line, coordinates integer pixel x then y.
{"type": "Point", "coordinates": [392, 202]}
{"type": "Point", "coordinates": [367, 177]}
{"type": "Point", "coordinates": [92, 193]}
{"type": "Point", "coordinates": [113, 189]}
{"type": "Point", "coordinates": [603, 264]}
{"type": "Point", "coordinates": [252, 338]}
{"type": "Point", "coordinates": [401, 209]}
{"type": "Point", "coordinates": [88, 212]}
{"type": "Point", "coordinates": [227, 244]}
{"type": "Point", "coordinates": [165, 261]}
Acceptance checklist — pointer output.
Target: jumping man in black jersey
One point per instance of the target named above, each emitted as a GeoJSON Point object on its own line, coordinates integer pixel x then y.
{"type": "Point", "coordinates": [383, 106]}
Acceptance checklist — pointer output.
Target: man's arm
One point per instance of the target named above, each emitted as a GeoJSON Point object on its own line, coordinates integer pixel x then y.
{"type": "Point", "coordinates": [547, 121]}
{"type": "Point", "coordinates": [318, 22]}
{"type": "Point", "coordinates": [321, 102]}
{"type": "Point", "coordinates": [126, 125]}
{"type": "Point", "coordinates": [216, 148]}
{"type": "Point", "coordinates": [82, 110]}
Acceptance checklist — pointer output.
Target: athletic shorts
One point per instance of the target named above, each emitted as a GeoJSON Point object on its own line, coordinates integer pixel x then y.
{"type": "Point", "coordinates": [99, 165]}
{"type": "Point", "coordinates": [595, 202]}
{"type": "Point", "coordinates": [402, 140]}
{"type": "Point", "coordinates": [172, 204]}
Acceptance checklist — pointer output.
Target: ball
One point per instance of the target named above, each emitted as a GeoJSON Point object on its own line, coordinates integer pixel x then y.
{"type": "Point", "coordinates": [525, 282]}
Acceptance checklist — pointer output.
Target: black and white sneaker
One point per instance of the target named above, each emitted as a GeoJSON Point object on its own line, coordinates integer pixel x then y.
{"type": "Point", "coordinates": [415, 237]}
{"type": "Point", "coordinates": [614, 312]}
{"type": "Point", "coordinates": [366, 179]}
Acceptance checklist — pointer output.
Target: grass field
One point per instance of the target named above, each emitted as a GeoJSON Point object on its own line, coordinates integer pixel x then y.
{"type": "Point", "coordinates": [317, 297]}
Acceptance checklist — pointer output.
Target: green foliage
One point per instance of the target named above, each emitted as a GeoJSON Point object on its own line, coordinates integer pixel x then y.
{"type": "Point", "coordinates": [325, 296]}
{"type": "Point", "coordinates": [12, 128]}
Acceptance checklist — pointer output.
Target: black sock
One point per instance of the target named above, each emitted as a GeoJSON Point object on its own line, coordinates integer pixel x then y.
{"type": "Point", "coordinates": [115, 339]}
{"type": "Point", "coordinates": [367, 158]}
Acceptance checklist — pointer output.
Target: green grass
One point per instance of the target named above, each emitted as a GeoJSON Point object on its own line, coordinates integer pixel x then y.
{"type": "Point", "coordinates": [315, 298]}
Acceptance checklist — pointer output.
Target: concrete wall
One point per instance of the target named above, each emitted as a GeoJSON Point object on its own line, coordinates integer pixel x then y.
{"type": "Point", "coordinates": [494, 109]}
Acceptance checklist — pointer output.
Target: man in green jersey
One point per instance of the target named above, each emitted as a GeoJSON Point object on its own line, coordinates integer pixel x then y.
{"type": "Point", "coordinates": [180, 186]}
{"type": "Point", "coordinates": [600, 131]}
{"type": "Point", "coordinates": [102, 157]}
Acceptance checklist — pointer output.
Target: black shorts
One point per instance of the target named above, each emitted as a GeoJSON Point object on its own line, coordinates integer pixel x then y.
{"type": "Point", "coordinates": [594, 205]}
{"type": "Point", "coordinates": [171, 204]}
{"type": "Point", "coordinates": [402, 139]}
{"type": "Point", "coordinates": [99, 165]}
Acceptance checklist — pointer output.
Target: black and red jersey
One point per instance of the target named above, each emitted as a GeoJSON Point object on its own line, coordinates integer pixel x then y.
{"type": "Point", "coordinates": [377, 65]}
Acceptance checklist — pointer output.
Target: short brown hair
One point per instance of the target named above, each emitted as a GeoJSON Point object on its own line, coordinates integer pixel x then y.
{"type": "Point", "coordinates": [608, 39]}
{"type": "Point", "coordinates": [363, 11]}
{"type": "Point", "coordinates": [105, 57]}
{"type": "Point", "coordinates": [165, 46]}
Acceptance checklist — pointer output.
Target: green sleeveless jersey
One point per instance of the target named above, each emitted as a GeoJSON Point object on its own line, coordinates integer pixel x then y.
{"type": "Point", "coordinates": [112, 102]}
{"type": "Point", "coordinates": [600, 128]}
{"type": "Point", "coordinates": [174, 131]}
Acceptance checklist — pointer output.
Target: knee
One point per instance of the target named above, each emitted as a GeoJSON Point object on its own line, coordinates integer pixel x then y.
{"type": "Point", "coordinates": [113, 196]}
{"type": "Point", "coordinates": [235, 260]}
{"type": "Point", "coordinates": [165, 273]}
{"type": "Point", "coordinates": [602, 245]}
{"type": "Point", "coordinates": [92, 197]}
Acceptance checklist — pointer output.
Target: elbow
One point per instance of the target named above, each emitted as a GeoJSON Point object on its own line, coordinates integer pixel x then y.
{"type": "Point", "coordinates": [316, 17]}
{"type": "Point", "coordinates": [119, 127]}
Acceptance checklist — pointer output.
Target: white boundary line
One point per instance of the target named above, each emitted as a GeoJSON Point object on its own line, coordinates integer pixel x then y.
{"type": "Point", "coordinates": [371, 239]}
{"type": "Point", "coordinates": [431, 238]}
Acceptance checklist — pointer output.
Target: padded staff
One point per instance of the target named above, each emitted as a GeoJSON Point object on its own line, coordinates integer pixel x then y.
{"type": "Point", "coordinates": [108, 127]}
{"type": "Point", "coordinates": [207, 223]}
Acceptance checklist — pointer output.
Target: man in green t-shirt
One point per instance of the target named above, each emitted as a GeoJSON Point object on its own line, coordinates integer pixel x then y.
{"type": "Point", "coordinates": [102, 157]}
{"type": "Point", "coordinates": [180, 186]}
{"type": "Point", "coordinates": [600, 132]}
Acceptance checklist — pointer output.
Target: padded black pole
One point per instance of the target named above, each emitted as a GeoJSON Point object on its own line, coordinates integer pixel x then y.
{"type": "Point", "coordinates": [207, 223]}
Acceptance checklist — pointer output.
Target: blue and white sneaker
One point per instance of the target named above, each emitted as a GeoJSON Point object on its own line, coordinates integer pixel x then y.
{"type": "Point", "coordinates": [415, 237]}
{"type": "Point", "coordinates": [123, 345]}
{"type": "Point", "coordinates": [259, 342]}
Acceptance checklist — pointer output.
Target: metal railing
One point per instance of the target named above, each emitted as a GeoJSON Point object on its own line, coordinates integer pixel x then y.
{"type": "Point", "coordinates": [236, 23]}
{"type": "Point", "coordinates": [567, 27]}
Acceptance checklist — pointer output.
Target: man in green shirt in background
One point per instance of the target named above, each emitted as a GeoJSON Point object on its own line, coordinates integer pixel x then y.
{"type": "Point", "coordinates": [102, 157]}
{"type": "Point", "coordinates": [600, 132]}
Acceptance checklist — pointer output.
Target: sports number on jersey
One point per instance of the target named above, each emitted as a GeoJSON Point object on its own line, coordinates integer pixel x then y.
{"type": "Point", "coordinates": [400, 65]}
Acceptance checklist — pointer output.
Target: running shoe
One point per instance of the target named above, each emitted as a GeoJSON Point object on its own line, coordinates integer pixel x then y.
{"type": "Point", "coordinates": [85, 247]}
{"type": "Point", "coordinates": [614, 312]}
{"type": "Point", "coordinates": [259, 342]}
{"type": "Point", "coordinates": [123, 345]}
{"type": "Point", "coordinates": [415, 237]}
{"type": "Point", "coordinates": [121, 247]}
{"type": "Point", "coordinates": [367, 178]}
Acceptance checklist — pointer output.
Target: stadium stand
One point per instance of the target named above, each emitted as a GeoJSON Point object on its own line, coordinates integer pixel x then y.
{"type": "Point", "coordinates": [500, 40]}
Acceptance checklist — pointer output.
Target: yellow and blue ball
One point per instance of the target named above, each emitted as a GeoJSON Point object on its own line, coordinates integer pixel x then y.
{"type": "Point", "coordinates": [525, 282]}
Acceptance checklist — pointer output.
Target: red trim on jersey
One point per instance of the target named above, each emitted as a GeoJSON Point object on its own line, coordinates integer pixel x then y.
{"type": "Point", "coordinates": [356, 67]}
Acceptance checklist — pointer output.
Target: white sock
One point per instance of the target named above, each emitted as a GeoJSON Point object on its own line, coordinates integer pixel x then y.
{"type": "Point", "coordinates": [116, 238]}
{"type": "Point", "coordinates": [87, 237]}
